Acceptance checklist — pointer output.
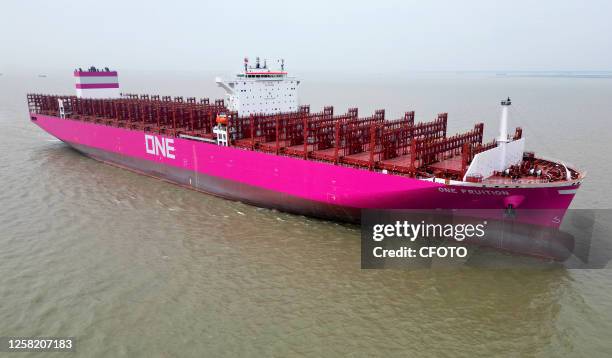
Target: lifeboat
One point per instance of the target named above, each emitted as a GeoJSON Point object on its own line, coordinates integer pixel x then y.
{"type": "Point", "coordinates": [222, 119]}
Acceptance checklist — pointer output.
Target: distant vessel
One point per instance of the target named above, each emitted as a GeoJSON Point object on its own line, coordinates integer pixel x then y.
{"type": "Point", "coordinates": [263, 148]}
{"type": "Point", "coordinates": [42, 75]}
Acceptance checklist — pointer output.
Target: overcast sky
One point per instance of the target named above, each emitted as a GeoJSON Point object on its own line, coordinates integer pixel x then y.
{"type": "Point", "coordinates": [376, 36]}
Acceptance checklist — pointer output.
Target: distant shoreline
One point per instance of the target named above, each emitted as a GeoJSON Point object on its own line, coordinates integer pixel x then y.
{"type": "Point", "coordinates": [551, 74]}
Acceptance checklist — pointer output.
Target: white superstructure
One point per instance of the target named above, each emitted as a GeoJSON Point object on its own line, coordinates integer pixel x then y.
{"type": "Point", "coordinates": [260, 89]}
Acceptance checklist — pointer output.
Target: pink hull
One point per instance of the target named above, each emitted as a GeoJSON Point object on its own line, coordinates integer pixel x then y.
{"type": "Point", "coordinates": [287, 183]}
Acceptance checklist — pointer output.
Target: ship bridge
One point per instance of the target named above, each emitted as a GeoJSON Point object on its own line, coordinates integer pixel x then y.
{"type": "Point", "coordinates": [260, 89]}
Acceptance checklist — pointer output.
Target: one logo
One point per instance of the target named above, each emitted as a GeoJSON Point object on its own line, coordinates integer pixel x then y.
{"type": "Point", "coordinates": [159, 146]}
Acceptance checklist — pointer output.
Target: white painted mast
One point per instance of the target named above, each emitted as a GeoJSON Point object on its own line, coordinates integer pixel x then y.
{"type": "Point", "coordinates": [502, 140]}
{"type": "Point", "coordinates": [508, 152]}
{"type": "Point", "coordinates": [503, 125]}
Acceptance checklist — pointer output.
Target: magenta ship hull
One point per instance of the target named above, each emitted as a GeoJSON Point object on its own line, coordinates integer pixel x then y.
{"type": "Point", "coordinates": [292, 184]}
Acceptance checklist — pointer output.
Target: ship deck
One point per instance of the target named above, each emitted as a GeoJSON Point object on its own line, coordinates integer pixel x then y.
{"type": "Point", "coordinates": [298, 150]}
{"type": "Point", "coordinates": [271, 146]}
{"type": "Point", "coordinates": [338, 134]}
{"type": "Point", "coordinates": [402, 161]}
{"type": "Point", "coordinates": [361, 159]}
{"type": "Point", "coordinates": [328, 154]}
{"type": "Point", "coordinates": [453, 164]}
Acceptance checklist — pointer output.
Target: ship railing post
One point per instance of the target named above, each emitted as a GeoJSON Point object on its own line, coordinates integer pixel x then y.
{"type": "Point", "coordinates": [129, 112]}
{"type": "Point", "coordinates": [413, 155]}
{"type": "Point", "coordinates": [143, 119]}
{"type": "Point", "coordinates": [276, 148]}
{"type": "Point", "coordinates": [372, 145]}
{"type": "Point", "coordinates": [337, 141]}
{"type": "Point", "coordinates": [158, 114]}
{"type": "Point", "coordinates": [252, 128]}
{"type": "Point", "coordinates": [191, 115]}
{"type": "Point", "coordinates": [305, 128]}
{"type": "Point", "coordinates": [410, 116]}
{"type": "Point", "coordinates": [466, 154]}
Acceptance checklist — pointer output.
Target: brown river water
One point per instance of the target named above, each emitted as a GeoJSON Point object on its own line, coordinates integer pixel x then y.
{"type": "Point", "coordinates": [136, 267]}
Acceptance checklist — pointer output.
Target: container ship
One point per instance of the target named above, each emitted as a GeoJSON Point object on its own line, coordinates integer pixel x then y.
{"type": "Point", "coordinates": [259, 146]}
